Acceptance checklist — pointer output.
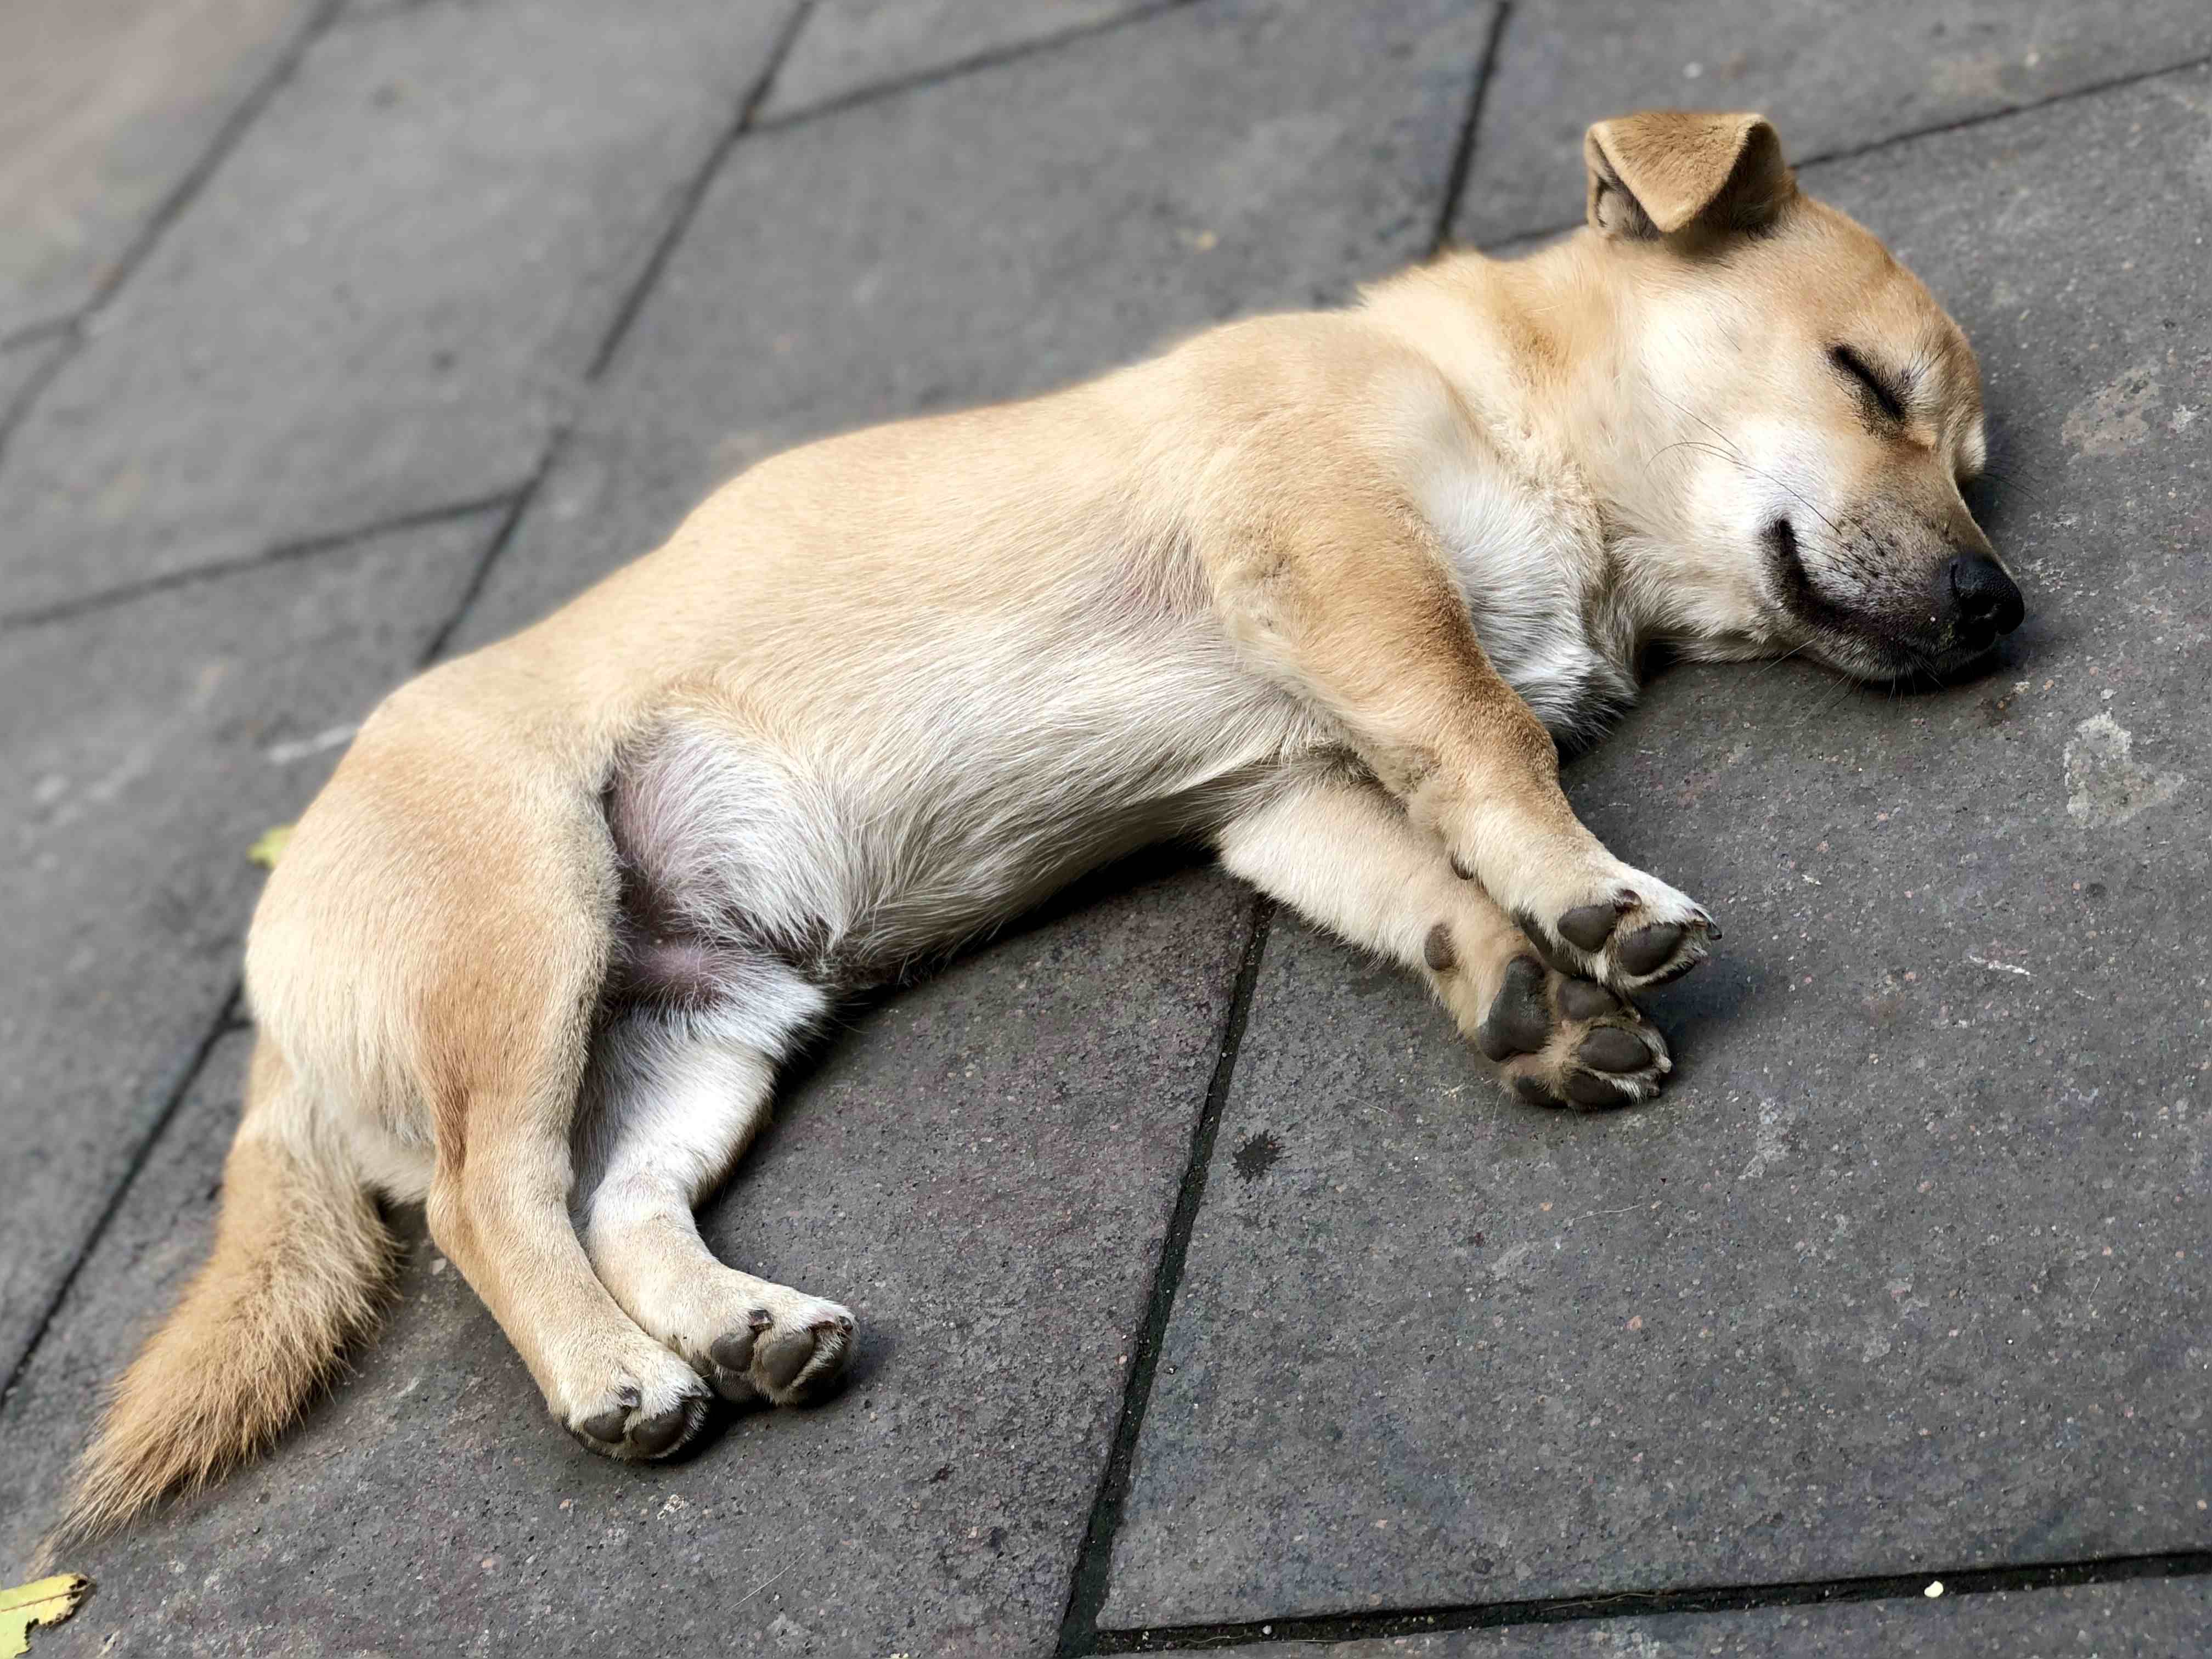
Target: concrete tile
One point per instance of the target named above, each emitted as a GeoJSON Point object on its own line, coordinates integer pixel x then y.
{"type": "Point", "coordinates": [1831, 77]}
{"type": "Point", "coordinates": [983, 1167]}
{"type": "Point", "coordinates": [387, 295]}
{"type": "Point", "coordinates": [1906, 1268]}
{"type": "Point", "coordinates": [147, 744]}
{"type": "Point", "coordinates": [849, 46]}
{"type": "Point", "coordinates": [105, 107]}
{"type": "Point", "coordinates": [2146, 1619]}
{"type": "Point", "coordinates": [1007, 232]}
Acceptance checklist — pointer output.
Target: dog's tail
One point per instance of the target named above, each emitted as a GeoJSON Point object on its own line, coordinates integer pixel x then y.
{"type": "Point", "coordinates": [301, 1267]}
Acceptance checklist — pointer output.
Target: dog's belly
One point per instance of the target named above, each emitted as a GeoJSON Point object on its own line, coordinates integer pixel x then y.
{"type": "Point", "coordinates": [854, 845]}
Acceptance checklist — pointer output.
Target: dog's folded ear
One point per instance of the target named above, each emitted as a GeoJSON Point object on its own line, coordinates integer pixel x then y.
{"type": "Point", "coordinates": [1654, 173]}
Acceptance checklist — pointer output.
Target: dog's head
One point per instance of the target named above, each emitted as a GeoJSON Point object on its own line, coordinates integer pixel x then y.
{"type": "Point", "coordinates": [1807, 413]}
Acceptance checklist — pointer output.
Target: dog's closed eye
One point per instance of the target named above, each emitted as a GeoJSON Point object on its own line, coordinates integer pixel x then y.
{"type": "Point", "coordinates": [1883, 393]}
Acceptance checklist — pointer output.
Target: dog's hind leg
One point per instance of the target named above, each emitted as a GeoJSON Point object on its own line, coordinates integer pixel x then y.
{"type": "Point", "coordinates": [1345, 853]}
{"type": "Point", "coordinates": [674, 1096]}
{"type": "Point", "coordinates": [503, 917]}
{"type": "Point", "coordinates": [500, 1211]}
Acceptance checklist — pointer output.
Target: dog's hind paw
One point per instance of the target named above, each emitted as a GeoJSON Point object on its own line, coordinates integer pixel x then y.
{"type": "Point", "coordinates": [1641, 933]}
{"type": "Point", "coordinates": [1563, 1041]}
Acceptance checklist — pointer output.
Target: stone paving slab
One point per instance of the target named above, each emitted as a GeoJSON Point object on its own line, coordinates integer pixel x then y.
{"type": "Point", "coordinates": [146, 746]}
{"type": "Point", "coordinates": [387, 295]}
{"type": "Point", "coordinates": [2147, 1618]}
{"type": "Point", "coordinates": [1001, 233]}
{"type": "Point", "coordinates": [849, 46]}
{"type": "Point", "coordinates": [982, 1168]}
{"type": "Point", "coordinates": [1832, 76]}
{"type": "Point", "coordinates": [1908, 1266]}
{"type": "Point", "coordinates": [105, 107]}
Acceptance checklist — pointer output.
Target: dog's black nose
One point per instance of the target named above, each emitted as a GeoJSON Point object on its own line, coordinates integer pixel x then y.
{"type": "Point", "coordinates": [1989, 604]}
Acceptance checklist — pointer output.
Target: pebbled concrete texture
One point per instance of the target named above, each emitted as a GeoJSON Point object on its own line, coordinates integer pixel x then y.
{"type": "Point", "coordinates": [147, 745]}
{"type": "Point", "coordinates": [851, 47]}
{"type": "Point", "coordinates": [387, 297]}
{"type": "Point", "coordinates": [1002, 233]}
{"type": "Point", "coordinates": [2147, 1618]}
{"type": "Point", "coordinates": [106, 106]}
{"type": "Point", "coordinates": [981, 1168]}
{"type": "Point", "coordinates": [1908, 1263]}
{"type": "Point", "coordinates": [1833, 77]}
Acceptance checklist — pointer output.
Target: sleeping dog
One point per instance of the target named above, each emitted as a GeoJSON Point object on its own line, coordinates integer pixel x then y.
{"type": "Point", "coordinates": [1322, 590]}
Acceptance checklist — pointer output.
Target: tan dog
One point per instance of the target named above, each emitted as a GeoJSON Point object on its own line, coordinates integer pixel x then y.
{"type": "Point", "coordinates": [1318, 588]}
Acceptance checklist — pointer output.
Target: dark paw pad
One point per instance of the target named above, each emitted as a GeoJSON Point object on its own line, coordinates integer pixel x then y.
{"type": "Point", "coordinates": [1535, 1094]}
{"type": "Point", "coordinates": [1586, 1089]}
{"type": "Point", "coordinates": [733, 1357]}
{"type": "Point", "coordinates": [784, 1356]}
{"type": "Point", "coordinates": [1518, 1021]}
{"type": "Point", "coordinates": [1585, 999]}
{"type": "Point", "coordinates": [659, 1433]}
{"type": "Point", "coordinates": [1609, 1049]}
{"type": "Point", "coordinates": [607, 1426]}
{"type": "Point", "coordinates": [1589, 927]}
{"type": "Point", "coordinates": [1649, 949]}
{"type": "Point", "coordinates": [1436, 950]}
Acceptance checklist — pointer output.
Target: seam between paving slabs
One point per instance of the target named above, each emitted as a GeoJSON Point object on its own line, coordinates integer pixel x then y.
{"type": "Point", "coordinates": [680, 221]}
{"type": "Point", "coordinates": [1094, 1563]}
{"type": "Point", "coordinates": [1080, 1635]}
{"type": "Point", "coordinates": [1852, 151]}
{"type": "Point", "coordinates": [166, 213]}
{"type": "Point", "coordinates": [1643, 1604]}
{"type": "Point", "coordinates": [687, 204]}
{"type": "Point", "coordinates": [231, 1011]}
{"type": "Point", "coordinates": [33, 334]}
{"type": "Point", "coordinates": [989, 57]}
{"type": "Point", "coordinates": [1095, 1558]}
{"type": "Point", "coordinates": [1462, 161]}
{"type": "Point", "coordinates": [336, 541]}
{"type": "Point", "coordinates": [179, 1087]}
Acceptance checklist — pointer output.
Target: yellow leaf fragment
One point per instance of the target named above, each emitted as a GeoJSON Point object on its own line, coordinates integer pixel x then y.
{"type": "Point", "coordinates": [271, 848]}
{"type": "Point", "coordinates": [42, 1602]}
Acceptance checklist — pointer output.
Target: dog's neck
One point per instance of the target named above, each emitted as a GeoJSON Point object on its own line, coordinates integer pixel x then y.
{"type": "Point", "coordinates": [1542, 349]}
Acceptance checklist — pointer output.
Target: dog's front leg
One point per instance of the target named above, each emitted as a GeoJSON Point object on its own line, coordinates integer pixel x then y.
{"type": "Point", "coordinates": [1344, 854]}
{"type": "Point", "coordinates": [1349, 601]}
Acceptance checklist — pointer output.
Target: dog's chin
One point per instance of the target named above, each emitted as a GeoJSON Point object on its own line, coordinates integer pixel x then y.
{"type": "Point", "coordinates": [1881, 659]}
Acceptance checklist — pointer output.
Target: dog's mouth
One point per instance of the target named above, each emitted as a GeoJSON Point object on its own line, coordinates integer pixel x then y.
{"type": "Point", "coordinates": [1977, 610]}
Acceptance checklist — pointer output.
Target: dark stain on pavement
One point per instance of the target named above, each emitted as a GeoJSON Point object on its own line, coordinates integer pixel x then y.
{"type": "Point", "coordinates": [1260, 1152]}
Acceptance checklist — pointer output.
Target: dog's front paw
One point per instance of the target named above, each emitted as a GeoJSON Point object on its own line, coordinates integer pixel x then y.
{"type": "Point", "coordinates": [644, 1411]}
{"type": "Point", "coordinates": [1562, 1040]}
{"type": "Point", "coordinates": [1637, 933]}
{"type": "Point", "coordinates": [785, 1347]}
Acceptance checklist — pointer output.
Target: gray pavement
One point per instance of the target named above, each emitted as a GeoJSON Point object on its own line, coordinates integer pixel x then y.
{"type": "Point", "coordinates": [1208, 1295]}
